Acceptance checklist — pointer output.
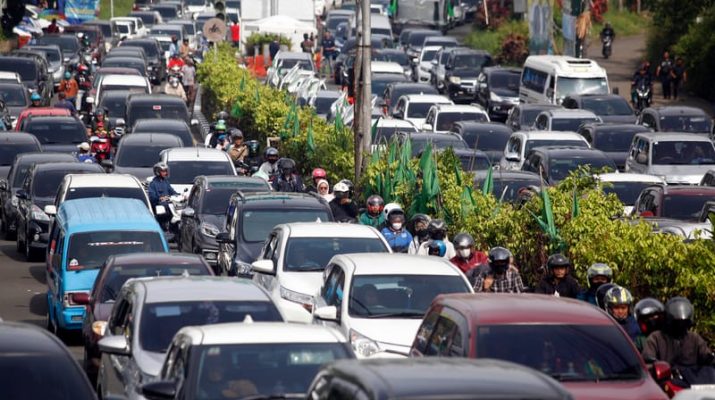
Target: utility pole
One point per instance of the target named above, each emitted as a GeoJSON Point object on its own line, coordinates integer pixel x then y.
{"type": "Point", "coordinates": [363, 91]}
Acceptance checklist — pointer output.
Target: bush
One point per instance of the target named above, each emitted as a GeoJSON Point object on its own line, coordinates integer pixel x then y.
{"type": "Point", "coordinates": [500, 43]}
{"type": "Point", "coordinates": [697, 47]}
{"type": "Point", "coordinates": [671, 20]}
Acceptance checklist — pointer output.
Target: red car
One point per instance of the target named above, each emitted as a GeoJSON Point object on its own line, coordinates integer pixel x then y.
{"type": "Point", "coordinates": [570, 340]}
{"type": "Point", "coordinates": [39, 111]}
{"type": "Point", "coordinates": [683, 203]}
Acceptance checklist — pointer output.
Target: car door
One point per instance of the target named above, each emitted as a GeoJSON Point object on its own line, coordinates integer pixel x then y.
{"type": "Point", "coordinates": [227, 250]}
{"type": "Point", "coordinates": [115, 370]}
{"type": "Point", "coordinates": [640, 161]}
{"type": "Point", "coordinates": [269, 252]}
{"type": "Point", "coordinates": [54, 264]}
{"type": "Point", "coordinates": [24, 206]}
{"type": "Point", "coordinates": [189, 224]}
{"type": "Point", "coordinates": [177, 367]}
{"type": "Point", "coordinates": [332, 294]}
{"type": "Point", "coordinates": [430, 120]}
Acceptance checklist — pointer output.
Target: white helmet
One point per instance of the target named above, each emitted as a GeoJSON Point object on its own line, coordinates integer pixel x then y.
{"type": "Point", "coordinates": [84, 146]}
{"type": "Point", "coordinates": [389, 207]}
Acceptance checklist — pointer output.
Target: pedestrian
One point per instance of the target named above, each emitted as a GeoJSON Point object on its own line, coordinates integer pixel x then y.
{"type": "Point", "coordinates": [307, 44]}
{"type": "Point", "coordinates": [680, 75]}
{"type": "Point", "coordinates": [53, 27]}
{"type": "Point", "coordinates": [328, 46]}
{"type": "Point", "coordinates": [274, 47]}
{"type": "Point", "coordinates": [188, 79]}
{"type": "Point", "coordinates": [235, 34]}
{"type": "Point", "coordinates": [663, 72]}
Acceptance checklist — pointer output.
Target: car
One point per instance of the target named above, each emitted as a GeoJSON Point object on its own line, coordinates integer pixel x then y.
{"type": "Point", "coordinates": [16, 99]}
{"type": "Point", "coordinates": [489, 137]}
{"type": "Point", "coordinates": [38, 366]}
{"type": "Point", "coordinates": [680, 158]}
{"type": "Point", "coordinates": [150, 106]}
{"type": "Point", "coordinates": [42, 63]}
{"type": "Point", "coordinates": [127, 51]}
{"type": "Point", "coordinates": [13, 182]}
{"type": "Point", "coordinates": [167, 11]}
{"type": "Point", "coordinates": [676, 119]}
{"type": "Point", "coordinates": [554, 163]}
{"type": "Point", "coordinates": [507, 185]}
{"type": "Point", "coordinates": [39, 112]}
{"type": "Point", "coordinates": [205, 212]}
{"type": "Point", "coordinates": [441, 117]}
{"type": "Point", "coordinates": [498, 91]}
{"type": "Point", "coordinates": [396, 56]}
{"type": "Point", "coordinates": [84, 186]}
{"type": "Point", "coordinates": [684, 203]}
{"type": "Point", "coordinates": [95, 38]}
{"type": "Point", "coordinates": [393, 91]}
{"type": "Point", "coordinates": [521, 328]}
{"type": "Point", "coordinates": [56, 133]}
{"type": "Point", "coordinates": [113, 273]}
{"type": "Point", "coordinates": [53, 54]}
{"type": "Point", "coordinates": [437, 71]}
{"type": "Point", "coordinates": [10, 77]}
{"type": "Point", "coordinates": [462, 69]}
{"type": "Point", "coordinates": [251, 218]}
{"type": "Point", "coordinates": [612, 139]}
{"type": "Point", "coordinates": [387, 67]}
{"type": "Point", "coordinates": [186, 163]}
{"type": "Point", "coordinates": [385, 129]}
{"type": "Point", "coordinates": [177, 128]}
{"type": "Point", "coordinates": [125, 61]}
{"type": "Point", "coordinates": [611, 108]}
{"type": "Point", "coordinates": [114, 103]}
{"type": "Point", "coordinates": [438, 141]}
{"type": "Point", "coordinates": [564, 120]}
{"type": "Point", "coordinates": [11, 145]}
{"type": "Point", "coordinates": [102, 71]}
{"type": "Point", "coordinates": [381, 80]}
{"type": "Point", "coordinates": [286, 60]}
{"type": "Point", "coordinates": [414, 42]}
{"type": "Point", "coordinates": [548, 79]}
{"type": "Point", "coordinates": [522, 116]}
{"type": "Point", "coordinates": [150, 311]}
{"type": "Point", "coordinates": [424, 64]}
{"type": "Point", "coordinates": [291, 264]}
{"type": "Point", "coordinates": [627, 186]}
{"type": "Point", "coordinates": [136, 25]}
{"type": "Point", "coordinates": [414, 107]}
{"type": "Point", "coordinates": [433, 378]}
{"type": "Point", "coordinates": [69, 43]}
{"type": "Point", "coordinates": [133, 84]}
{"type": "Point", "coordinates": [472, 160]}
{"type": "Point", "coordinates": [295, 352]}
{"type": "Point", "coordinates": [323, 100]}
{"type": "Point", "coordinates": [109, 31]}
{"type": "Point", "coordinates": [520, 144]}
{"type": "Point", "coordinates": [149, 17]}
{"type": "Point", "coordinates": [38, 190]}
{"type": "Point", "coordinates": [30, 73]}
{"type": "Point", "coordinates": [138, 152]}
{"type": "Point", "coordinates": [377, 301]}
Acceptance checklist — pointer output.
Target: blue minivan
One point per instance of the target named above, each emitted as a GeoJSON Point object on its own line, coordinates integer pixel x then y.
{"type": "Point", "coordinates": [86, 232]}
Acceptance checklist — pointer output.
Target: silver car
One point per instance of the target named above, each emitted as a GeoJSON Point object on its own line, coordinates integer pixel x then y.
{"type": "Point", "coordinates": [148, 313]}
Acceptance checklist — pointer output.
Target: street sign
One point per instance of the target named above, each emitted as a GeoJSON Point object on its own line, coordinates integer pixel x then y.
{"type": "Point", "coordinates": [215, 30]}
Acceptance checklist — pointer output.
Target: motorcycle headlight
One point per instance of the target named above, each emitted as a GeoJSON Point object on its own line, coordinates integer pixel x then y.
{"type": "Point", "coordinates": [455, 79]}
{"type": "Point", "coordinates": [149, 68]}
{"type": "Point", "coordinates": [39, 215]}
{"type": "Point", "coordinates": [363, 345]}
{"type": "Point", "coordinates": [295, 297]}
{"type": "Point", "coordinates": [209, 230]}
{"type": "Point", "coordinates": [13, 200]}
{"type": "Point", "coordinates": [494, 97]}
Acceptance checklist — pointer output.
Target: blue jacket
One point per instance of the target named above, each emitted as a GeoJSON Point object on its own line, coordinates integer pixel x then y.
{"type": "Point", "coordinates": [632, 329]}
{"type": "Point", "coordinates": [159, 188]}
{"type": "Point", "coordinates": [399, 241]}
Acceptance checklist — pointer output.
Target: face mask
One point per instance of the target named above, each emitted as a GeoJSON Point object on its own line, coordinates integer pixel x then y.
{"type": "Point", "coordinates": [465, 253]}
{"type": "Point", "coordinates": [397, 226]}
{"type": "Point", "coordinates": [422, 234]}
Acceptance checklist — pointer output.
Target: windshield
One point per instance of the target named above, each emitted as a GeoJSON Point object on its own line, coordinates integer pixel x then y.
{"type": "Point", "coordinates": [471, 61]}
{"type": "Point", "coordinates": [115, 106]}
{"type": "Point", "coordinates": [446, 119]}
{"type": "Point", "coordinates": [428, 55]}
{"type": "Point", "coordinates": [686, 123]}
{"type": "Point", "coordinates": [126, 63]}
{"type": "Point", "coordinates": [566, 352]}
{"type": "Point", "coordinates": [117, 192]}
{"type": "Point", "coordinates": [43, 372]}
{"type": "Point", "coordinates": [257, 224]}
{"type": "Point", "coordinates": [302, 64]}
{"type": "Point", "coordinates": [379, 85]}
{"type": "Point", "coordinates": [554, 142]}
{"type": "Point", "coordinates": [627, 192]}
{"type": "Point", "coordinates": [334, 22]}
{"type": "Point", "coordinates": [559, 168]}
{"type": "Point", "coordinates": [418, 110]}
{"type": "Point", "coordinates": [45, 183]}
{"type": "Point", "coordinates": [123, 28]}
{"type": "Point", "coordinates": [184, 172]}
{"type": "Point", "coordinates": [14, 96]}
{"type": "Point", "coordinates": [322, 104]}
{"type": "Point", "coordinates": [216, 201]}
{"type": "Point", "coordinates": [614, 141]}
{"type": "Point", "coordinates": [400, 58]}
{"type": "Point", "coordinates": [505, 83]}
{"type": "Point", "coordinates": [150, 49]}
{"type": "Point", "coordinates": [68, 45]}
{"type": "Point", "coordinates": [684, 206]}
{"type": "Point", "coordinates": [399, 296]}
{"type": "Point", "coordinates": [508, 189]}
{"type": "Point", "coordinates": [119, 274]}
{"type": "Point", "coordinates": [567, 86]}
{"type": "Point", "coordinates": [486, 141]}
{"type": "Point", "coordinates": [474, 162]}
{"type": "Point", "coordinates": [27, 69]}
{"type": "Point", "coordinates": [57, 132]}
{"type": "Point", "coordinates": [569, 124]}
{"type": "Point", "coordinates": [52, 55]}
{"type": "Point", "coordinates": [417, 38]}
{"type": "Point", "coordinates": [609, 106]}
{"type": "Point", "coordinates": [144, 156]}
{"type": "Point", "coordinates": [179, 130]}
{"type": "Point", "coordinates": [161, 321]}
{"type": "Point", "coordinates": [89, 250]}
{"type": "Point", "coordinates": [683, 153]}
{"type": "Point", "coordinates": [313, 254]}
{"type": "Point", "coordinates": [165, 111]}
{"type": "Point", "coordinates": [258, 365]}
{"type": "Point", "coordinates": [9, 151]}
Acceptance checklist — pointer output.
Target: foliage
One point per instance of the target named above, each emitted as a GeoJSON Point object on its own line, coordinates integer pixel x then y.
{"type": "Point", "coordinates": [121, 8]}
{"type": "Point", "coordinates": [499, 13]}
{"type": "Point", "coordinates": [260, 39]}
{"type": "Point", "coordinates": [671, 20]}
{"type": "Point", "coordinates": [625, 23]}
{"type": "Point", "coordinates": [697, 47]}
{"type": "Point", "coordinates": [503, 43]}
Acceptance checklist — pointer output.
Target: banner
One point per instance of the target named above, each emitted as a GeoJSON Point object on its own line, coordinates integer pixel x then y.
{"type": "Point", "coordinates": [568, 26]}
{"type": "Point", "coordinates": [78, 11]}
{"type": "Point", "coordinates": [540, 17]}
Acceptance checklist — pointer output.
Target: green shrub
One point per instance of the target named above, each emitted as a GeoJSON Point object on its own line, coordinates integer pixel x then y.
{"type": "Point", "coordinates": [697, 47]}
{"type": "Point", "coordinates": [259, 39]}
{"type": "Point", "coordinates": [493, 40]}
{"type": "Point", "coordinates": [121, 8]}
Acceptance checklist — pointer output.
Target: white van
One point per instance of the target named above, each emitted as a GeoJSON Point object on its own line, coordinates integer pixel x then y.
{"type": "Point", "coordinates": [549, 79]}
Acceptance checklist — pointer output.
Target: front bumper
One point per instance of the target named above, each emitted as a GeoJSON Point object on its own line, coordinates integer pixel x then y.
{"type": "Point", "coordinates": [461, 91]}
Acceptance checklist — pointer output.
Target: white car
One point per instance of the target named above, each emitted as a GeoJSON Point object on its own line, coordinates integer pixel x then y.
{"type": "Point", "coordinates": [440, 117]}
{"type": "Point", "coordinates": [138, 30]}
{"type": "Point", "coordinates": [133, 83]}
{"type": "Point", "coordinates": [627, 186]}
{"type": "Point", "coordinates": [294, 257]}
{"type": "Point", "coordinates": [186, 163]}
{"type": "Point", "coordinates": [521, 142]}
{"type": "Point", "coordinates": [79, 186]}
{"type": "Point", "coordinates": [386, 67]}
{"type": "Point", "coordinates": [7, 76]}
{"type": "Point", "coordinates": [284, 62]}
{"type": "Point", "coordinates": [414, 107]}
{"type": "Point", "coordinates": [568, 120]}
{"type": "Point", "coordinates": [424, 65]}
{"type": "Point", "coordinates": [378, 301]}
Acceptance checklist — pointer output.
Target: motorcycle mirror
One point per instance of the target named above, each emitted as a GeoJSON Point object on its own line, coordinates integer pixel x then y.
{"type": "Point", "coordinates": [615, 90]}
{"type": "Point", "coordinates": [160, 210]}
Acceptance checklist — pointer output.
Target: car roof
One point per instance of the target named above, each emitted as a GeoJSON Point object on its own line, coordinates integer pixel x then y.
{"type": "Point", "coordinates": [52, 119]}
{"type": "Point", "coordinates": [25, 339]}
{"type": "Point", "coordinates": [603, 126]}
{"type": "Point", "coordinates": [570, 113]}
{"type": "Point", "coordinates": [157, 258]}
{"type": "Point", "coordinates": [198, 288]}
{"type": "Point", "coordinates": [160, 121]}
{"type": "Point", "coordinates": [430, 136]}
{"type": "Point", "coordinates": [42, 156]}
{"type": "Point", "coordinates": [194, 153]}
{"type": "Point", "coordinates": [260, 332]}
{"type": "Point", "coordinates": [328, 230]}
{"type": "Point", "coordinates": [688, 190]}
{"type": "Point", "coordinates": [498, 174]}
{"type": "Point", "coordinates": [135, 80]}
{"type": "Point", "coordinates": [556, 151]}
{"type": "Point", "coordinates": [96, 213]}
{"type": "Point", "coordinates": [387, 264]}
{"type": "Point", "coordinates": [459, 108]}
{"type": "Point", "coordinates": [394, 123]}
{"type": "Point", "coordinates": [333, 94]}
{"type": "Point", "coordinates": [484, 127]}
{"type": "Point", "coordinates": [62, 166]}
{"type": "Point", "coordinates": [144, 138]}
{"type": "Point", "coordinates": [117, 71]}
{"type": "Point", "coordinates": [465, 50]}
{"type": "Point", "coordinates": [679, 110]}
{"type": "Point", "coordinates": [595, 96]}
{"type": "Point", "coordinates": [103, 180]}
{"type": "Point", "coordinates": [674, 137]}
{"type": "Point", "coordinates": [427, 98]}
{"type": "Point", "coordinates": [537, 106]}
{"type": "Point", "coordinates": [154, 97]}
{"type": "Point", "coordinates": [13, 137]}
{"type": "Point", "coordinates": [267, 199]}
{"type": "Point", "coordinates": [629, 177]}
{"type": "Point", "coordinates": [551, 135]}
{"type": "Point", "coordinates": [44, 111]}
{"type": "Point", "coordinates": [524, 308]}
{"type": "Point", "coordinates": [499, 68]}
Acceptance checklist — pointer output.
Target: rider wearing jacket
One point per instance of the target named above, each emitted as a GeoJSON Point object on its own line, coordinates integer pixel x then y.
{"type": "Point", "coordinates": [287, 180]}
{"type": "Point", "coordinates": [342, 206]}
{"type": "Point", "coordinates": [641, 76]}
{"type": "Point", "coordinates": [597, 275]}
{"type": "Point", "coordinates": [467, 257]}
{"type": "Point", "coordinates": [397, 237]}
{"type": "Point", "coordinates": [558, 282]}
{"type": "Point", "coordinates": [373, 216]}
{"type": "Point", "coordinates": [618, 302]}
{"type": "Point", "coordinates": [160, 189]}
{"type": "Point", "coordinates": [270, 165]}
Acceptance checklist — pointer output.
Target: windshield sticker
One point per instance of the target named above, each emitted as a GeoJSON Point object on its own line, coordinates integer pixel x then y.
{"type": "Point", "coordinates": [103, 244]}
{"type": "Point", "coordinates": [167, 311]}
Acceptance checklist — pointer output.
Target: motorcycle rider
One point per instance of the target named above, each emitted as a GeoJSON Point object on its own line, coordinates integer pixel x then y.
{"type": "Point", "coordinates": [238, 150]}
{"type": "Point", "coordinates": [436, 248]}
{"type": "Point", "coordinates": [173, 47]}
{"type": "Point", "coordinates": [397, 237]}
{"type": "Point", "coordinates": [597, 275]}
{"type": "Point", "coordinates": [317, 175]}
{"type": "Point", "coordinates": [35, 100]}
{"type": "Point", "coordinates": [83, 154]}
{"type": "Point", "coordinates": [467, 257]}
{"type": "Point", "coordinates": [175, 62]}
{"type": "Point", "coordinates": [219, 129]}
{"type": "Point", "coordinates": [160, 190]}
{"type": "Point", "coordinates": [557, 281]}
{"type": "Point", "coordinates": [270, 165]}
{"type": "Point", "coordinates": [287, 180]}
{"type": "Point", "coordinates": [641, 77]}
{"type": "Point", "coordinates": [373, 216]}
{"type": "Point", "coordinates": [62, 102]}
{"type": "Point", "coordinates": [601, 295]}
{"type": "Point", "coordinates": [618, 302]}
{"type": "Point", "coordinates": [607, 33]}
{"type": "Point", "coordinates": [100, 124]}
{"type": "Point", "coordinates": [498, 277]}
{"type": "Point", "coordinates": [342, 206]}
{"type": "Point", "coordinates": [418, 228]}
{"type": "Point", "coordinates": [69, 86]}
{"type": "Point", "coordinates": [173, 87]}
{"type": "Point", "coordinates": [438, 231]}
{"type": "Point", "coordinates": [650, 314]}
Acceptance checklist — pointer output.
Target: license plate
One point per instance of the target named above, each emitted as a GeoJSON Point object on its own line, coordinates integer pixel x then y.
{"type": "Point", "coordinates": [702, 387]}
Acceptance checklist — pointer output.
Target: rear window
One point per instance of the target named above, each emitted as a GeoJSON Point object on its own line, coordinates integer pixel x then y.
{"type": "Point", "coordinates": [45, 183]}
{"type": "Point", "coordinates": [160, 110]}
{"type": "Point", "coordinates": [257, 224]}
{"type": "Point", "coordinates": [684, 207]}
{"type": "Point", "coordinates": [9, 151]}
{"type": "Point", "coordinates": [121, 273]}
{"type": "Point", "coordinates": [138, 156]}
{"type": "Point", "coordinates": [39, 375]}
{"type": "Point", "coordinates": [445, 120]}
{"type": "Point", "coordinates": [486, 141]}
{"type": "Point", "coordinates": [116, 106]}
{"type": "Point", "coordinates": [27, 69]}
{"type": "Point", "coordinates": [216, 201]}
{"type": "Point", "coordinates": [184, 172]}
{"type": "Point", "coordinates": [56, 132]}
{"type": "Point", "coordinates": [89, 250]}
{"type": "Point", "coordinates": [120, 192]}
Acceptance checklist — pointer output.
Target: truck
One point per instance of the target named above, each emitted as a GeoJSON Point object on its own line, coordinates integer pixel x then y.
{"type": "Point", "coordinates": [435, 14]}
{"type": "Point", "coordinates": [254, 10]}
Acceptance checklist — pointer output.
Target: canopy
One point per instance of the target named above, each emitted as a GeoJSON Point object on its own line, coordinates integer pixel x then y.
{"type": "Point", "coordinates": [281, 25]}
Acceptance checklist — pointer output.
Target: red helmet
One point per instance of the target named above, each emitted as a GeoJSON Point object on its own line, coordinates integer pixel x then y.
{"type": "Point", "coordinates": [319, 173]}
{"type": "Point", "coordinates": [82, 68]}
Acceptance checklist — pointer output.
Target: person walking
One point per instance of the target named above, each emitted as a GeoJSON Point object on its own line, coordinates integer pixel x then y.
{"type": "Point", "coordinates": [307, 44]}
{"type": "Point", "coordinates": [664, 73]}
{"type": "Point", "coordinates": [188, 79]}
{"type": "Point", "coordinates": [235, 34]}
{"type": "Point", "coordinates": [680, 76]}
{"type": "Point", "coordinates": [328, 46]}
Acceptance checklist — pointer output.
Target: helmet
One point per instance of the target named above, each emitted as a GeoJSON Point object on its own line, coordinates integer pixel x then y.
{"type": "Point", "coordinates": [678, 316]}
{"type": "Point", "coordinates": [82, 68]}
{"type": "Point", "coordinates": [601, 293]}
{"type": "Point", "coordinates": [389, 207]}
{"type": "Point", "coordinates": [375, 204]}
{"type": "Point", "coordinates": [617, 296]}
{"type": "Point", "coordinates": [222, 115]}
{"type": "Point", "coordinates": [557, 260]}
{"type": "Point", "coordinates": [68, 75]}
{"type": "Point", "coordinates": [319, 173]}
{"type": "Point", "coordinates": [351, 187]}
{"type": "Point", "coordinates": [253, 147]}
{"type": "Point", "coordinates": [341, 190]}
{"type": "Point", "coordinates": [463, 240]}
{"type": "Point", "coordinates": [235, 134]}
{"type": "Point", "coordinates": [35, 97]}
{"type": "Point", "coordinates": [100, 112]}
{"type": "Point", "coordinates": [499, 259]}
{"type": "Point", "coordinates": [80, 35]}
{"type": "Point", "coordinates": [422, 220]}
{"type": "Point", "coordinates": [160, 166]}
{"type": "Point", "coordinates": [437, 229]}
{"type": "Point", "coordinates": [396, 215]}
{"type": "Point", "coordinates": [84, 146]}
{"type": "Point", "coordinates": [649, 313]}
{"type": "Point", "coordinates": [286, 165]}
{"type": "Point", "coordinates": [271, 154]}
{"type": "Point", "coordinates": [599, 269]}
{"type": "Point", "coordinates": [436, 248]}
{"type": "Point", "coordinates": [220, 125]}
{"type": "Point", "coordinates": [174, 81]}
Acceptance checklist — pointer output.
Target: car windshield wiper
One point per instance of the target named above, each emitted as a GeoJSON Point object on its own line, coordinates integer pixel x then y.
{"type": "Point", "coordinates": [402, 314]}
{"type": "Point", "coordinates": [311, 269]}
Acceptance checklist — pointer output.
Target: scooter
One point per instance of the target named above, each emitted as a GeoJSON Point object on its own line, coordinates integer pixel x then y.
{"type": "Point", "coordinates": [169, 217]}
{"type": "Point", "coordinates": [607, 44]}
{"type": "Point", "coordinates": [101, 147]}
{"type": "Point", "coordinates": [643, 96]}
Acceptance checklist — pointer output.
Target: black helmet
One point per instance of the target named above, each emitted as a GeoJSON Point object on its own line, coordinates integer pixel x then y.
{"type": "Point", "coordinates": [678, 315]}
{"type": "Point", "coordinates": [253, 147]}
{"type": "Point", "coordinates": [463, 240]}
{"type": "Point", "coordinates": [421, 234]}
{"type": "Point", "coordinates": [271, 154]}
{"type": "Point", "coordinates": [160, 166]}
{"type": "Point", "coordinates": [557, 260]}
{"type": "Point", "coordinates": [235, 133]}
{"type": "Point", "coordinates": [286, 165]}
{"type": "Point", "coordinates": [649, 313]}
{"type": "Point", "coordinates": [601, 294]}
{"type": "Point", "coordinates": [499, 259]}
{"type": "Point", "coordinates": [437, 229]}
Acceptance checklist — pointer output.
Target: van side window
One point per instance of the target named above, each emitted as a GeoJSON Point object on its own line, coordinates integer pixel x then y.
{"type": "Point", "coordinates": [442, 337]}
{"type": "Point", "coordinates": [533, 79]}
{"type": "Point", "coordinates": [423, 334]}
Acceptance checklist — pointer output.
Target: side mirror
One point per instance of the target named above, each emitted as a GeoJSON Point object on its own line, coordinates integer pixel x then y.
{"type": "Point", "coordinates": [550, 94]}
{"type": "Point", "coordinates": [223, 237]}
{"type": "Point", "coordinates": [263, 267]}
{"type": "Point", "coordinates": [642, 158]}
{"type": "Point", "coordinates": [115, 345]}
{"type": "Point", "coordinates": [513, 157]}
{"type": "Point", "coordinates": [159, 210]}
{"type": "Point", "coordinates": [3, 184]}
{"type": "Point", "coordinates": [188, 212]}
{"type": "Point", "coordinates": [329, 313]}
{"type": "Point", "coordinates": [426, 127]}
{"type": "Point", "coordinates": [661, 371]}
{"type": "Point", "coordinates": [159, 390]}
{"type": "Point", "coordinates": [50, 209]}
{"type": "Point", "coordinates": [434, 62]}
{"type": "Point", "coordinates": [21, 194]}
{"type": "Point", "coordinates": [89, 100]}
{"type": "Point", "coordinates": [194, 122]}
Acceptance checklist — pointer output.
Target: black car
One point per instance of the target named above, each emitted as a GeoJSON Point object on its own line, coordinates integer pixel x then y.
{"type": "Point", "coordinates": [489, 137]}
{"type": "Point", "coordinates": [13, 182]}
{"type": "Point", "coordinates": [473, 160]}
{"type": "Point", "coordinates": [612, 139]}
{"type": "Point", "coordinates": [205, 214]}
{"type": "Point", "coordinates": [554, 163]}
{"type": "Point", "coordinates": [36, 365]}
{"type": "Point", "coordinates": [137, 153]}
{"type": "Point", "coordinates": [250, 219]}
{"type": "Point", "coordinates": [522, 116]}
{"type": "Point", "coordinates": [439, 141]}
{"type": "Point", "coordinates": [396, 56]}
{"type": "Point", "coordinates": [53, 55]}
{"type": "Point", "coordinates": [108, 28]}
{"type": "Point", "coordinates": [344, 64]}
{"type": "Point", "coordinates": [38, 190]}
{"type": "Point", "coordinates": [380, 81]}
{"type": "Point", "coordinates": [59, 134]}
{"type": "Point", "coordinates": [611, 108]}
{"type": "Point", "coordinates": [114, 103]}
{"type": "Point", "coordinates": [153, 106]}
{"type": "Point", "coordinates": [414, 42]}
{"type": "Point", "coordinates": [323, 100]}
{"type": "Point", "coordinates": [393, 91]}
{"type": "Point", "coordinates": [43, 63]}
{"type": "Point", "coordinates": [174, 127]}
{"type": "Point", "coordinates": [132, 52]}
{"type": "Point", "coordinates": [30, 73]}
{"type": "Point", "coordinates": [14, 98]}
{"type": "Point", "coordinates": [433, 378]}
{"type": "Point", "coordinates": [154, 56]}
{"type": "Point", "coordinates": [69, 44]}
{"type": "Point", "coordinates": [498, 91]}
{"type": "Point", "coordinates": [461, 72]}
{"type": "Point", "coordinates": [676, 119]}
{"type": "Point", "coordinates": [126, 62]}
{"type": "Point", "coordinates": [12, 144]}
{"type": "Point", "coordinates": [507, 184]}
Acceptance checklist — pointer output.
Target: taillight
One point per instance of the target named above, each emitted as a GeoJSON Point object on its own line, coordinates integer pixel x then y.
{"type": "Point", "coordinates": [73, 299]}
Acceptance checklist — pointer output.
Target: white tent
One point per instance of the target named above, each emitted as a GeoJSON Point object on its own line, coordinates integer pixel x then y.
{"type": "Point", "coordinates": [281, 25]}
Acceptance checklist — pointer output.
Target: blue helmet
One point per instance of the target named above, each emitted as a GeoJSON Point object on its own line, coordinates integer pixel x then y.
{"type": "Point", "coordinates": [437, 248]}
{"type": "Point", "coordinates": [35, 97]}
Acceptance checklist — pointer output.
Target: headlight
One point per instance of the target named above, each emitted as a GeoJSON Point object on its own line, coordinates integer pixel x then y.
{"type": "Point", "coordinates": [415, 60]}
{"type": "Point", "coordinates": [494, 97]}
{"type": "Point", "coordinates": [150, 68]}
{"type": "Point", "coordinates": [39, 215]}
{"type": "Point", "coordinates": [303, 299]}
{"type": "Point", "coordinates": [455, 79]}
{"type": "Point", "coordinates": [209, 230]}
{"type": "Point", "coordinates": [362, 345]}
{"type": "Point", "coordinates": [13, 200]}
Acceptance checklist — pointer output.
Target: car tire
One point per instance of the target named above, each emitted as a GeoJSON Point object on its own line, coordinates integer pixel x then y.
{"type": "Point", "coordinates": [19, 245]}
{"type": "Point", "coordinates": [31, 254]}
{"type": "Point", "coordinates": [7, 233]}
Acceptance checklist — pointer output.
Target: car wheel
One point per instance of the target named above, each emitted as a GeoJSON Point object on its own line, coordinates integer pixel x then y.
{"type": "Point", "coordinates": [19, 244]}
{"type": "Point", "coordinates": [30, 253]}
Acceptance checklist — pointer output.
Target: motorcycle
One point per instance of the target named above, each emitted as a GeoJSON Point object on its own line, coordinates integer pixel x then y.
{"type": "Point", "coordinates": [169, 217]}
{"type": "Point", "coordinates": [643, 96]}
{"type": "Point", "coordinates": [694, 378]}
{"type": "Point", "coordinates": [101, 147]}
{"type": "Point", "coordinates": [245, 169]}
{"type": "Point", "coordinates": [607, 44]}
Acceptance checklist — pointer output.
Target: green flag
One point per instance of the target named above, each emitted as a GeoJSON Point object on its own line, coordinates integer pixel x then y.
{"type": "Point", "coordinates": [392, 9]}
{"type": "Point", "coordinates": [450, 9]}
{"type": "Point", "coordinates": [488, 185]}
{"type": "Point", "coordinates": [236, 109]}
{"type": "Point", "coordinates": [338, 120]}
{"type": "Point", "coordinates": [466, 201]}
{"type": "Point", "coordinates": [309, 140]}
{"type": "Point", "coordinates": [430, 182]}
{"type": "Point", "coordinates": [373, 129]}
{"type": "Point", "coordinates": [257, 95]}
{"type": "Point", "coordinates": [548, 213]}
{"type": "Point", "coordinates": [242, 85]}
{"type": "Point", "coordinates": [575, 206]}
{"type": "Point", "coordinates": [296, 125]}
